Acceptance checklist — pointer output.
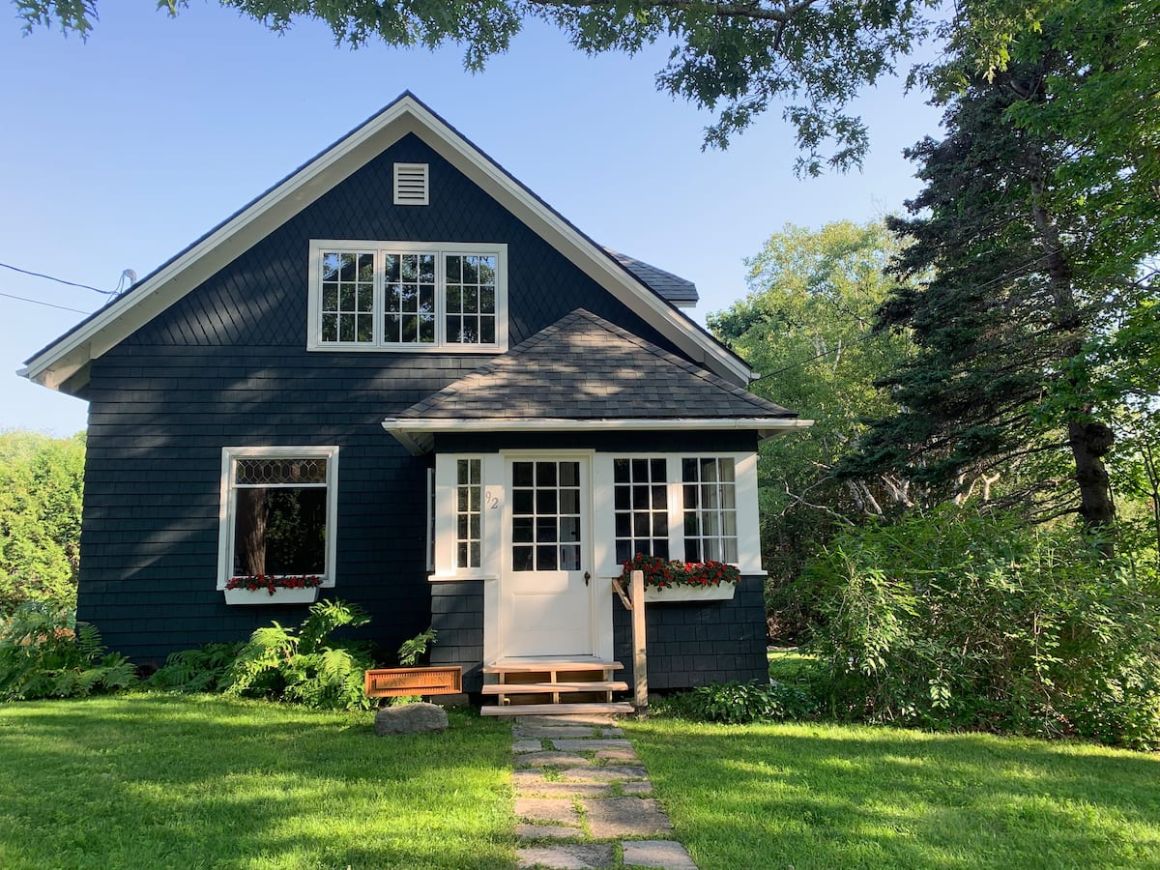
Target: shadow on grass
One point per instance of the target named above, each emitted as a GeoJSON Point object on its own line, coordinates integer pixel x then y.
{"type": "Point", "coordinates": [831, 796]}
{"type": "Point", "coordinates": [153, 781]}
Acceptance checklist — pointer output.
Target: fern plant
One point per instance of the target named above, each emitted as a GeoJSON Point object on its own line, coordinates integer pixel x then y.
{"type": "Point", "coordinates": [414, 649]}
{"type": "Point", "coordinates": [46, 653]}
{"type": "Point", "coordinates": [196, 670]}
{"type": "Point", "coordinates": [302, 665]}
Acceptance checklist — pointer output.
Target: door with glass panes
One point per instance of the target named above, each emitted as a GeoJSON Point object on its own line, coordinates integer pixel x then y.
{"type": "Point", "coordinates": [544, 592]}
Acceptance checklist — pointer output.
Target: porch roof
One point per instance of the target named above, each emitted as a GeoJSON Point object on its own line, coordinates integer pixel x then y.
{"type": "Point", "coordinates": [583, 372]}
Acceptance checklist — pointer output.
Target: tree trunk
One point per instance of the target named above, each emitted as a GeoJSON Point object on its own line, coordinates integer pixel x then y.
{"type": "Point", "coordinates": [250, 523]}
{"type": "Point", "coordinates": [1090, 440]}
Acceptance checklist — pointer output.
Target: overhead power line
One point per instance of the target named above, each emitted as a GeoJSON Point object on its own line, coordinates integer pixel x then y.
{"type": "Point", "coordinates": [59, 280]}
{"type": "Point", "coordinates": [42, 302]}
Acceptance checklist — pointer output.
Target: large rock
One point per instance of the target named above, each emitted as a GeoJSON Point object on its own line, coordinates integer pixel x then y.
{"type": "Point", "coordinates": [410, 719]}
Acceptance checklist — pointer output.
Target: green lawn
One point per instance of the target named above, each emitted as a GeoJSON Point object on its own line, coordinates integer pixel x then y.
{"type": "Point", "coordinates": [152, 781]}
{"type": "Point", "coordinates": [804, 796]}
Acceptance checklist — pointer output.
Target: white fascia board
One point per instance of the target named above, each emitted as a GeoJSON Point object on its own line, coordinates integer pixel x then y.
{"type": "Point", "coordinates": [416, 434]}
{"type": "Point", "coordinates": [161, 290]}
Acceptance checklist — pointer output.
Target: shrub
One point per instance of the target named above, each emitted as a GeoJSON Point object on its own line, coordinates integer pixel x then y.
{"type": "Point", "coordinates": [739, 703]}
{"type": "Point", "coordinates": [961, 620]}
{"type": "Point", "coordinates": [196, 670]}
{"type": "Point", "coordinates": [302, 665]}
{"type": "Point", "coordinates": [46, 653]}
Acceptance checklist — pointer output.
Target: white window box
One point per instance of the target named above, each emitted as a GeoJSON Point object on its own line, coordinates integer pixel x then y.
{"type": "Point", "coordinates": [280, 596]}
{"type": "Point", "coordinates": [668, 595]}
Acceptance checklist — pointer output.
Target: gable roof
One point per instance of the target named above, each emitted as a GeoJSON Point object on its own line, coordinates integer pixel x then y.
{"type": "Point", "coordinates": [68, 356]}
{"type": "Point", "coordinates": [672, 288]}
{"type": "Point", "coordinates": [584, 372]}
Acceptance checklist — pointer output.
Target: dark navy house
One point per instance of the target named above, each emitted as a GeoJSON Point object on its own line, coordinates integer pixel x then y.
{"type": "Point", "coordinates": [399, 370]}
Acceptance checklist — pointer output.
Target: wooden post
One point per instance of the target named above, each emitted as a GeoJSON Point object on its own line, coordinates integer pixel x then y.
{"type": "Point", "coordinates": [639, 644]}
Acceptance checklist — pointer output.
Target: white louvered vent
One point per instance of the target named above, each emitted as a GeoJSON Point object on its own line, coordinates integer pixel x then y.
{"type": "Point", "coordinates": [410, 184]}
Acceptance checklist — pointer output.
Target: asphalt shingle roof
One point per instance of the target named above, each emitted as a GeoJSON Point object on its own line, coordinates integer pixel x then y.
{"type": "Point", "coordinates": [581, 368]}
{"type": "Point", "coordinates": [670, 287]}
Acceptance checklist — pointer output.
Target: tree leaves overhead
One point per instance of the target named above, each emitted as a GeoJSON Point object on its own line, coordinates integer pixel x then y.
{"type": "Point", "coordinates": [737, 59]}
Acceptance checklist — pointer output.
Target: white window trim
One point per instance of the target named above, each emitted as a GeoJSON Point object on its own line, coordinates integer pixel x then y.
{"type": "Point", "coordinates": [380, 249]}
{"type": "Point", "coordinates": [748, 519]}
{"type": "Point", "coordinates": [228, 501]}
{"type": "Point", "coordinates": [431, 536]}
{"type": "Point", "coordinates": [491, 488]}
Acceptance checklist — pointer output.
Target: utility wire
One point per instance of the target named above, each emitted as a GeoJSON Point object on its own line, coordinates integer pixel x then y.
{"type": "Point", "coordinates": [42, 302]}
{"type": "Point", "coordinates": [59, 280]}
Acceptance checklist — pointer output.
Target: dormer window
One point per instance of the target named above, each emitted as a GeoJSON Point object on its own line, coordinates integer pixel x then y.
{"type": "Point", "coordinates": [397, 296]}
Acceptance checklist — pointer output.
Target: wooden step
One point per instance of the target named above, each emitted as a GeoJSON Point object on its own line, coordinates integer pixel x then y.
{"type": "Point", "coordinates": [617, 708]}
{"type": "Point", "coordinates": [549, 688]}
{"type": "Point", "coordinates": [543, 666]}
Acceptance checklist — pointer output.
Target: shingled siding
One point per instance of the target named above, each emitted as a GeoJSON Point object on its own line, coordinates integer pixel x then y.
{"type": "Point", "coordinates": [228, 366]}
{"type": "Point", "coordinates": [457, 616]}
{"type": "Point", "coordinates": [690, 644]}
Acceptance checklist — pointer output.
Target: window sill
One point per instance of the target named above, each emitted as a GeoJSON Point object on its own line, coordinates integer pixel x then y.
{"type": "Point", "coordinates": [451, 349]}
{"type": "Point", "coordinates": [458, 578]}
{"type": "Point", "coordinates": [263, 596]}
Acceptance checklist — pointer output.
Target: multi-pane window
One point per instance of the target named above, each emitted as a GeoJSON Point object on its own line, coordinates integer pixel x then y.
{"type": "Point", "coordinates": [468, 513]}
{"type": "Point", "coordinates": [410, 299]}
{"type": "Point", "coordinates": [710, 509]}
{"type": "Point", "coordinates": [395, 296]}
{"type": "Point", "coordinates": [470, 298]}
{"type": "Point", "coordinates": [546, 532]}
{"type": "Point", "coordinates": [348, 296]}
{"type": "Point", "coordinates": [278, 513]}
{"type": "Point", "coordinates": [641, 508]}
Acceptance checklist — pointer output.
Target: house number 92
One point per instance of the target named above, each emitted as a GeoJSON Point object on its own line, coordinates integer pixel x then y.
{"type": "Point", "coordinates": [491, 499]}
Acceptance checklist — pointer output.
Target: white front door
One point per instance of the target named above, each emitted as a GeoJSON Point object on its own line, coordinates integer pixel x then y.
{"type": "Point", "coordinates": [545, 602]}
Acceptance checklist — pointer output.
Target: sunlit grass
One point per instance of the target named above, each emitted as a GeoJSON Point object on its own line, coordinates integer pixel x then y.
{"type": "Point", "coordinates": [814, 796]}
{"type": "Point", "coordinates": [153, 781]}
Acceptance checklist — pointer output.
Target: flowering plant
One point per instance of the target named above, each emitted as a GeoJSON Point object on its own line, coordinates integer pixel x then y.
{"type": "Point", "coordinates": [271, 583]}
{"type": "Point", "coordinates": [661, 573]}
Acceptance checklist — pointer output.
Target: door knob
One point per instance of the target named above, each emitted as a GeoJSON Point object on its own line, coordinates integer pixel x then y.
{"type": "Point", "coordinates": [587, 577]}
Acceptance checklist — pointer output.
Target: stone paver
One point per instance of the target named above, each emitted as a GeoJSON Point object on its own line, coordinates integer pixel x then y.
{"type": "Point", "coordinates": [603, 774]}
{"type": "Point", "coordinates": [548, 788]}
{"type": "Point", "coordinates": [595, 792]}
{"type": "Point", "coordinates": [552, 759]}
{"type": "Point", "coordinates": [527, 831]}
{"type": "Point", "coordinates": [589, 856]}
{"type": "Point", "coordinates": [637, 788]}
{"type": "Point", "coordinates": [668, 854]}
{"type": "Point", "coordinates": [561, 811]}
{"type": "Point", "coordinates": [562, 731]}
{"type": "Point", "coordinates": [593, 744]}
{"type": "Point", "coordinates": [626, 817]}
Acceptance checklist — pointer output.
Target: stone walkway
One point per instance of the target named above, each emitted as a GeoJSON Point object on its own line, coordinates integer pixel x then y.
{"type": "Point", "coordinates": [583, 798]}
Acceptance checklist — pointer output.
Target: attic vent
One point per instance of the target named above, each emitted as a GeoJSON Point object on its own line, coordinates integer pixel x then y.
{"type": "Point", "coordinates": [410, 184]}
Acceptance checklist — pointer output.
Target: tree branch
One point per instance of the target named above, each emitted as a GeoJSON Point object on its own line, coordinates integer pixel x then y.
{"type": "Point", "coordinates": [782, 14]}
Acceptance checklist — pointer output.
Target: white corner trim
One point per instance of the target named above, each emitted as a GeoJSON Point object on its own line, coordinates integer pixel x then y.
{"type": "Point", "coordinates": [227, 501]}
{"type": "Point", "coordinates": [170, 283]}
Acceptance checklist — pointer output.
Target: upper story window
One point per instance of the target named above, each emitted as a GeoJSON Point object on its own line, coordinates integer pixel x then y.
{"type": "Point", "coordinates": [398, 296]}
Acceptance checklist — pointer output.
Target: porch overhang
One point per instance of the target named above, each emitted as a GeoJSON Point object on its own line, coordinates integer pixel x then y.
{"type": "Point", "coordinates": [418, 435]}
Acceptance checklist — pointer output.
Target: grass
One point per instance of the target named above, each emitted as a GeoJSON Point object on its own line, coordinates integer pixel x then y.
{"type": "Point", "coordinates": [154, 781]}
{"type": "Point", "coordinates": [825, 795]}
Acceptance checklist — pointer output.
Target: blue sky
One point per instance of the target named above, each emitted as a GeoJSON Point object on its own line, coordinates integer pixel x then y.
{"type": "Point", "coordinates": [119, 151]}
